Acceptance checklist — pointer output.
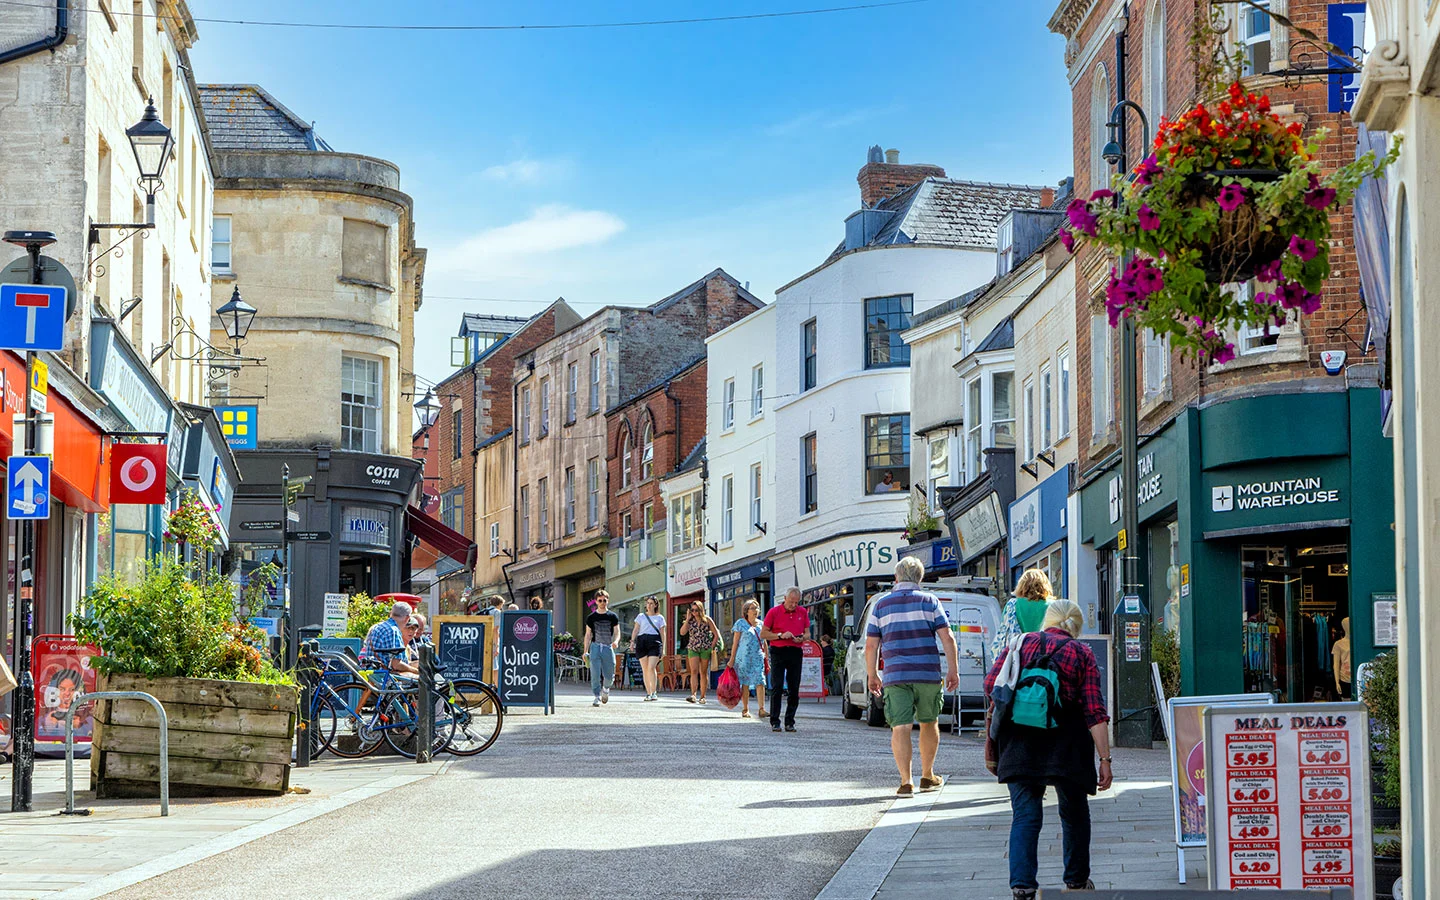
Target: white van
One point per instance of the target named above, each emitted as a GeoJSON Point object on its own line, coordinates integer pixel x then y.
{"type": "Point", "coordinates": [974, 619]}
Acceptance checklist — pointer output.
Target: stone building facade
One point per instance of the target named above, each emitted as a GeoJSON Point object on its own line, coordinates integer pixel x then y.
{"type": "Point", "coordinates": [562, 389]}
{"type": "Point", "coordinates": [322, 243]}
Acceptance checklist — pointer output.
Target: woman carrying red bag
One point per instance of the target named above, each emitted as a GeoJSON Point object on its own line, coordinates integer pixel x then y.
{"type": "Point", "coordinates": [747, 658]}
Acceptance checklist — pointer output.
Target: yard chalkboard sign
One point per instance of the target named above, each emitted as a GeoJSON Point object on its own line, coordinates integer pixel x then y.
{"type": "Point", "coordinates": [634, 674]}
{"type": "Point", "coordinates": [460, 648]}
{"type": "Point", "coordinates": [527, 659]}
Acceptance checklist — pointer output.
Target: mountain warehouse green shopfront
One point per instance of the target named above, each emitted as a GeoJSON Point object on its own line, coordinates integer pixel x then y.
{"type": "Point", "coordinates": [1267, 522]}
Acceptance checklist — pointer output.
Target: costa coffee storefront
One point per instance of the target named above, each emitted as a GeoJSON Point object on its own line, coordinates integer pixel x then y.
{"type": "Point", "coordinates": [351, 533]}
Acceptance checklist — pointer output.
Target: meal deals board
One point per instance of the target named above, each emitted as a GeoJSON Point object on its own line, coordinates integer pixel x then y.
{"type": "Point", "coordinates": [1290, 804]}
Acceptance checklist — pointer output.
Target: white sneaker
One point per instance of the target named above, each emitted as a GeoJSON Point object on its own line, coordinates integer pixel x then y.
{"type": "Point", "coordinates": [605, 695]}
{"type": "Point", "coordinates": [596, 703]}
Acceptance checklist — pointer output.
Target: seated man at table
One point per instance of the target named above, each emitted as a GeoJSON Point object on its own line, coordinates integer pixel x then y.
{"type": "Point", "coordinates": [384, 646]}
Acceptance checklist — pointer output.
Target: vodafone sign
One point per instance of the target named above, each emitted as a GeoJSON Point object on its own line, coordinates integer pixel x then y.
{"type": "Point", "coordinates": [137, 473]}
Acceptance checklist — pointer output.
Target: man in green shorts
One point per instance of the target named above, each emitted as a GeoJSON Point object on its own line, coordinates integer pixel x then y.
{"type": "Point", "coordinates": [907, 629]}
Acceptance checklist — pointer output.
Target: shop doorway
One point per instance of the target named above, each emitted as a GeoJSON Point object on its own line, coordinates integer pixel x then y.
{"type": "Point", "coordinates": [1296, 600]}
{"type": "Point", "coordinates": [360, 573]}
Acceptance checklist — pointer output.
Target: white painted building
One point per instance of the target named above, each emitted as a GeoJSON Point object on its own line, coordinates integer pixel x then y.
{"type": "Point", "coordinates": [740, 513]}
{"type": "Point", "coordinates": [843, 430]}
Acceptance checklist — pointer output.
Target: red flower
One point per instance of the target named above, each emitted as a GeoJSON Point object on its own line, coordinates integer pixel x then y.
{"type": "Point", "coordinates": [1235, 162]}
{"type": "Point", "coordinates": [1294, 128]}
{"type": "Point", "coordinates": [1224, 108]}
{"type": "Point", "coordinates": [1236, 92]}
{"type": "Point", "coordinates": [1264, 104]}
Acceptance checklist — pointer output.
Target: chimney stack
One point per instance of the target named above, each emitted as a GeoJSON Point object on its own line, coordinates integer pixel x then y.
{"type": "Point", "coordinates": [879, 180]}
{"type": "Point", "coordinates": [1047, 197]}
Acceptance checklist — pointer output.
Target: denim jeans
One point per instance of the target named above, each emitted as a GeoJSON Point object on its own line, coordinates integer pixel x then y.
{"type": "Point", "coordinates": [1027, 806]}
{"type": "Point", "coordinates": [602, 667]}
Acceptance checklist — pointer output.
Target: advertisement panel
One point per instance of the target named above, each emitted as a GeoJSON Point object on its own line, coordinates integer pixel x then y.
{"type": "Point", "coordinates": [812, 679]}
{"type": "Point", "coordinates": [1185, 727]}
{"type": "Point", "coordinates": [1290, 806]}
{"type": "Point", "coordinates": [61, 668]}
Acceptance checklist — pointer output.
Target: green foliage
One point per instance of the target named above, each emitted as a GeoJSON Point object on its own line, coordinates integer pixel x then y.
{"type": "Point", "coordinates": [191, 523]}
{"type": "Point", "coordinates": [920, 519]}
{"type": "Point", "coordinates": [1165, 652]}
{"type": "Point", "coordinates": [257, 585]}
{"type": "Point", "coordinates": [171, 622]}
{"type": "Point", "coordinates": [1382, 696]}
{"type": "Point", "coordinates": [363, 613]}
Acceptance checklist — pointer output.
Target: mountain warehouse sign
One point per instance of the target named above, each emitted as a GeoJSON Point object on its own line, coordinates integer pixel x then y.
{"type": "Point", "coordinates": [1272, 494]}
{"type": "Point", "coordinates": [853, 556]}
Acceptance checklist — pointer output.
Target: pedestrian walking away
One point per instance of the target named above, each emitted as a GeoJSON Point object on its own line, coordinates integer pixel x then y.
{"type": "Point", "coordinates": [602, 637]}
{"type": "Point", "coordinates": [1049, 736]}
{"type": "Point", "coordinates": [646, 643]}
{"type": "Point", "coordinates": [1025, 611]}
{"type": "Point", "coordinates": [785, 627]}
{"type": "Point", "coordinates": [703, 643]}
{"type": "Point", "coordinates": [908, 628]}
{"type": "Point", "coordinates": [747, 657]}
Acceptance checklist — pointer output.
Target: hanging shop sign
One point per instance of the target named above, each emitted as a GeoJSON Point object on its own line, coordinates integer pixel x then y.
{"type": "Point", "coordinates": [1346, 25]}
{"type": "Point", "coordinates": [1038, 518]}
{"type": "Point", "coordinates": [126, 382]}
{"type": "Point", "coordinates": [137, 473]}
{"type": "Point", "coordinates": [1290, 805]}
{"type": "Point", "coordinates": [980, 527]}
{"type": "Point", "coordinates": [1283, 493]}
{"type": "Point", "coordinates": [852, 556]}
{"type": "Point", "coordinates": [763, 569]}
{"type": "Point", "coordinates": [685, 575]}
{"type": "Point", "coordinates": [239, 424]}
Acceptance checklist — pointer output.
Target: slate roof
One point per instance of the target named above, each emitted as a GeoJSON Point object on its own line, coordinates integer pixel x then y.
{"type": "Point", "coordinates": [247, 117]}
{"type": "Point", "coordinates": [1002, 337]}
{"type": "Point", "coordinates": [478, 322]}
{"type": "Point", "coordinates": [949, 212]}
{"type": "Point", "coordinates": [692, 459]}
{"type": "Point", "coordinates": [951, 305]}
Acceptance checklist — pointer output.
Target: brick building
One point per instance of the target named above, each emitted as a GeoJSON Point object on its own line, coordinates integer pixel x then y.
{"type": "Point", "coordinates": [1210, 432]}
{"type": "Point", "coordinates": [649, 436]}
{"type": "Point", "coordinates": [563, 388]}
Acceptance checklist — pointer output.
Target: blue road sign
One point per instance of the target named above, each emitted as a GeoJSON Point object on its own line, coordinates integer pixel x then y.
{"type": "Point", "coordinates": [27, 487]}
{"type": "Point", "coordinates": [32, 317]}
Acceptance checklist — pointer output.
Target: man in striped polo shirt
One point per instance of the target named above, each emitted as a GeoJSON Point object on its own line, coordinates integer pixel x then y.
{"type": "Point", "coordinates": [907, 629]}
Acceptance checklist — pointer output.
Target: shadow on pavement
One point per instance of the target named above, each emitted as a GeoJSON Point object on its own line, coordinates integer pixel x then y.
{"type": "Point", "coordinates": [817, 804]}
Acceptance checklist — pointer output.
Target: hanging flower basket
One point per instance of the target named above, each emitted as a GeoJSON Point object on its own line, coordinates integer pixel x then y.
{"type": "Point", "coordinates": [1229, 194]}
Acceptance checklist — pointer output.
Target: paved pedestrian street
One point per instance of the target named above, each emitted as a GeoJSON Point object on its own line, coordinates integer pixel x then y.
{"type": "Point", "coordinates": [632, 799]}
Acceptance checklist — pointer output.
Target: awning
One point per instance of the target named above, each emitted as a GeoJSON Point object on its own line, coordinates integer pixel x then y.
{"type": "Point", "coordinates": [82, 472]}
{"type": "Point", "coordinates": [440, 536]}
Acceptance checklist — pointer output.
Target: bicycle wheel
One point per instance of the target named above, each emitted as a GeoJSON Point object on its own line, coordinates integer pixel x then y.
{"type": "Point", "coordinates": [356, 734]}
{"type": "Point", "coordinates": [323, 718]}
{"type": "Point", "coordinates": [402, 729]}
{"type": "Point", "coordinates": [478, 716]}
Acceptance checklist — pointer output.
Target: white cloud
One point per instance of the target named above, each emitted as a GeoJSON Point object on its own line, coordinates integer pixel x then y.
{"type": "Point", "coordinates": [524, 171]}
{"type": "Point", "coordinates": [516, 249]}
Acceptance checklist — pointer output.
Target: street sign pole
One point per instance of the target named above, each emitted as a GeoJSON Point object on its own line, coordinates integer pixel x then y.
{"type": "Point", "coordinates": [23, 720]}
{"type": "Point", "coordinates": [285, 550]}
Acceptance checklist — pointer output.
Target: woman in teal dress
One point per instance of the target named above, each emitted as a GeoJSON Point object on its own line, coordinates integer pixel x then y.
{"type": "Point", "coordinates": [747, 657]}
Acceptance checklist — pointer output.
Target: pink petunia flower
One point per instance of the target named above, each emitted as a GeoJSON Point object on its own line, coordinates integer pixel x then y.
{"type": "Point", "coordinates": [1148, 279]}
{"type": "Point", "coordinates": [1302, 248]}
{"type": "Point", "coordinates": [1149, 221]}
{"type": "Point", "coordinates": [1067, 238]}
{"type": "Point", "coordinates": [1320, 198]}
{"type": "Point", "coordinates": [1270, 272]}
{"type": "Point", "coordinates": [1101, 194]}
{"type": "Point", "coordinates": [1232, 196]}
{"type": "Point", "coordinates": [1146, 171]}
{"type": "Point", "coordinates": [1081, 218]}
{"type": "Point", "coordinates": [1222, 354]}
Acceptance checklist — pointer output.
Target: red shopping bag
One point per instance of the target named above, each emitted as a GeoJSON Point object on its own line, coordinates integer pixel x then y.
{"type": "Point", "coordinates": [728, 691]}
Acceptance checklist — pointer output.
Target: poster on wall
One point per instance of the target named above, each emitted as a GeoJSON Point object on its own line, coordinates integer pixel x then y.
{"type": "Point", "coordinates": [61, 668]}
{"type": "Point", "coordinates": [1291, 804]}
{"type": "Point", "coordinates": [1387, 619]}
{"type": "Point", "coordinates": [812, 669]}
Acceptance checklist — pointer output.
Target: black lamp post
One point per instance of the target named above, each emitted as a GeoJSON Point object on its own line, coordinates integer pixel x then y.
{"type": "Point", "coordinates": [428, 409]}
{"type": "Point", "coordinates": [236, 316]}
{"type": "Point", "coordinates": [151, 143]}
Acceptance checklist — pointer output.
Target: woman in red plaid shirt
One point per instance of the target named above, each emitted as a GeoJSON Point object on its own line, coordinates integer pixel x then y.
{"type": "Point", "coordinates": [1031, 759]}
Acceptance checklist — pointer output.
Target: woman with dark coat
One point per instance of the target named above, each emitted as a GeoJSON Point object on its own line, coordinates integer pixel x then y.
{"type": "Point", "coordinates": [1063, 757]}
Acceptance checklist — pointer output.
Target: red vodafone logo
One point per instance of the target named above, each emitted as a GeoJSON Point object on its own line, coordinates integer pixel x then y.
{"type": "Point", "coordinates": [137, 473]}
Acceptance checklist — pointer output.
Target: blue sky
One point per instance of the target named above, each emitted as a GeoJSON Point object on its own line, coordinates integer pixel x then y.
{"type": "Point", "coordinates": [617, 165]}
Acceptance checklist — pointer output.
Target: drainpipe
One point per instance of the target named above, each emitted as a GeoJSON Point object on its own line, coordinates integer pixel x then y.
{"type": "Point", "coordinates": [62, 31]}
{"type": "Point", "coordinates": [679, 450]}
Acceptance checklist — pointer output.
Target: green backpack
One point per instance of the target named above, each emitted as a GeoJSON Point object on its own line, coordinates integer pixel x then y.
{"type": "Point", "coordinates": [1037, 695]}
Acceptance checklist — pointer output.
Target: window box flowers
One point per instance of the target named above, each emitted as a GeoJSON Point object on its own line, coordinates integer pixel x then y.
{"type": "Point", "coordinates": [1230, 193]}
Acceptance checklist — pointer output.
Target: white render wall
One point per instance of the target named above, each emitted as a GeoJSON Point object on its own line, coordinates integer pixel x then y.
{"type": "Point", "coordinates": [734, 352]}
{"type": "Point", "coordinates": [846, 392]}
{"type": "Point", "coordinates": [1044, 329]}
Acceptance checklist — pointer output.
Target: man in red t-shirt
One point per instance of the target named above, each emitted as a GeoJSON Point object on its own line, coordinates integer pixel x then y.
{"type": "Point", "coordinates": [785, 627]}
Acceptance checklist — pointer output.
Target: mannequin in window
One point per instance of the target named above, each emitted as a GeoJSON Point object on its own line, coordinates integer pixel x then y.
{"type": "Point", "coordinates": [1340, 653]}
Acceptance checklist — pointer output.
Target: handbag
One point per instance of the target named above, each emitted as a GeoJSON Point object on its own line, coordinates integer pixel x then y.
{"type": "Point", "coordinates": [7, 679]}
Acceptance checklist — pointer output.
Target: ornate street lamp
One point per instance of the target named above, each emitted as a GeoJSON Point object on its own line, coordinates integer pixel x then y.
{"type": "Point", "coordinates": [428, 409]}
{"type": "Point", "coordinates": [236, 315]}
{"type": "Point", "coordinates": [151, 142]}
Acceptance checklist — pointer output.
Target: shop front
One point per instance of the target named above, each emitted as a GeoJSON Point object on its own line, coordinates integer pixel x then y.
{"type": "Point", "coordinates": [732, 587]}
{"type": "Point", "coordinates": [1038, 530]}
{"type": "Point", "coordinates": [579, 575]}
{"type": "Point", "coordinates": [208, 467]}
{"type": "Point", "coordinates": [630, 588]}
{"type": "Point", "coordinates": [976, 515]}
{"type": "Point", "coordinates": [1294, 570]}
{"type": "Point", "coordinates": [937, 555]}
{"type": "Point", "coordinates": [837, 576]}
{"type": "Point", "coordinates": [535, 580]}
{"type": "Point", "coordinates": [350, 533]}
{"type": "Point", "coordinates": [1164, 467]}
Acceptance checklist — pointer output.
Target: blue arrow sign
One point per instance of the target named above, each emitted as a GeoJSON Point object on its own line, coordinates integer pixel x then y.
{"type": "Point", "coordinates": [27, 488]}
{"type": "Point", "coordinates": [32, 317]}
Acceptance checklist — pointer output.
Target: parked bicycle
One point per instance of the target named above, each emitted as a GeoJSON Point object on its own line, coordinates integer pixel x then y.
{"type": "Point", "coordinates": [352, 710]}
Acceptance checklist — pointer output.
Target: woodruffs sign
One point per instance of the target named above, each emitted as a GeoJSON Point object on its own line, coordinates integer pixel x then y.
{"type": "Point", "coordinates": [853, 556]}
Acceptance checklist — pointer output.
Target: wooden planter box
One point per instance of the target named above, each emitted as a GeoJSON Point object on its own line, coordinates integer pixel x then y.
{"type": "Point", "coordinates": [226, 738]}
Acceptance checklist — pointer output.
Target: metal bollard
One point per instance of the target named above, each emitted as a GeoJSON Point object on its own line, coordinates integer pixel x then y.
{"type": "Point", "coordinates": [70, 746]}
{"type": "Point", "coordinates": [306, 676]}
{"type": "Point", "coordinates": [424, 697]}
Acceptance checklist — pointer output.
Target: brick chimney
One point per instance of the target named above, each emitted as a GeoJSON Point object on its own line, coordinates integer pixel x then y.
{"type": "Point", "coordinates": [879, 180]}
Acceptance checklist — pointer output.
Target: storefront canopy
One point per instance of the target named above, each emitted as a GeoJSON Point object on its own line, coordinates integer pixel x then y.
{"type": "Point", "coordinates": [441, 537]}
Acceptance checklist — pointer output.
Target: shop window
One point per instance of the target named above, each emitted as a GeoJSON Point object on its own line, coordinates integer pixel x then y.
{"type": "Point", "coordinates": [808, 367]}
{"type": "Point", "coordinates": [364, 252]}
{"type": "Point", "coordinates": [360, 404]}
{"type": "Point", "coordinates": [727, 510]}
{"type": "Point", "coordinates": [887, 454]}
{"type": "Point", "coordinates": [122, 541]}
{"type": "Point", "coordinates": [810, 493]}
{"type": "Point", "coordinates": [727, 405]}
{"type": "Point", "coordinates": [886, 318]}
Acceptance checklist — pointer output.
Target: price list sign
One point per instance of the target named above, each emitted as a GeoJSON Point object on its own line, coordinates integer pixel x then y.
{"type": "Point", "coordinates": [1296, 800]}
